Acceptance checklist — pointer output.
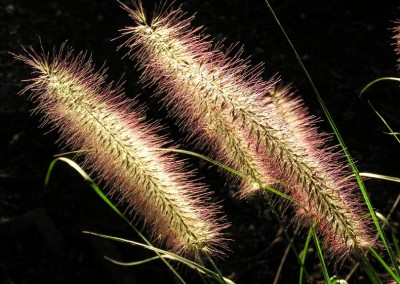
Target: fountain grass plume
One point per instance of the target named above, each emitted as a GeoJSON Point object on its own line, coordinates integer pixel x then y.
{"type": "Point", "coordinates": [267, 135]}
{"type": "Point", "coordinates": [189, 93]}
{"type": "Point", "coordinates": [122, 149]}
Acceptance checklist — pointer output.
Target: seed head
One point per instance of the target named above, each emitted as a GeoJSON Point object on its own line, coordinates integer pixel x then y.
{"type": "Point", "coordinates": [122, 149]}
{"type": "Point", "coordinates": [267, 135]}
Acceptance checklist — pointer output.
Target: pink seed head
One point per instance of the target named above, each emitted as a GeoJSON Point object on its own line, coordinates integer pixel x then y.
{"type": "Point", "coordinates": [266, 134]}
{"type": "Point", "coordinates": [122, 149]}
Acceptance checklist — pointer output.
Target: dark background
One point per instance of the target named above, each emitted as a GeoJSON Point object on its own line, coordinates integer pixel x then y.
{"type": "Point", "coordinates": [344, 45]}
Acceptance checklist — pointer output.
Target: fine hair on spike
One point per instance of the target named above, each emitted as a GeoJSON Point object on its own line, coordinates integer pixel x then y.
{"type": "Point", "coordinates": [264, 132]}
{"type": "Point", "coordinates": [124, 151]}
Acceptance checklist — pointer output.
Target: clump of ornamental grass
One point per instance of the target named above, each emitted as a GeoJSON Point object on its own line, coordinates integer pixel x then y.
{"type": "Point", "coordinates": [121, 148]}
{"type": "Point", "coordinates": [267, 135]}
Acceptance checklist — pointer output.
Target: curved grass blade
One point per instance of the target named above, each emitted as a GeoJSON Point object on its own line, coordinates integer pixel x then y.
{"type": "Point", "coordinates": [376, 81]}
{"type": "Point", "coordinates": [72, 164]}
{"type": "Point", "coordinates": [214, 266]}
{"type": "Point", "coordinates": [384, 122]}
{"type": "Point", "coordinates": [88, 179]}
{"type": "Point", "coordinates": [134, 263]}
{"type": "Point", "coordinates": [205, 158]}
{"type": "Point", "coordinates": [169, 255]}
{"type": "Point", "coordinates": [140, 262]}
{"type": "Point", "coordinates": [229, 169]}
{"type": "Point", "coordinates": [396, 244]}
{"type": "Point", "coordinates": [336, 280]}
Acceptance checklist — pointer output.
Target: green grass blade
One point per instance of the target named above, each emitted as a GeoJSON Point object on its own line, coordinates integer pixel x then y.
{"type": "Point", "coordinates": [169, 255]}
{"type": "Point", "coordinates": [383, 219]}
{"type": "Point", "coordinates": [229, 169]}
{"type": "Point", "coordinates": [391, 132]}
{"type": "Point", "coordinates": [140, 262]}
{"type": "Point", "coordinates": [396, 245]}
{"type": "Point", "coordinates": [376, 81]}
{"type": "Point", "coordinates": [336, 280]}
{"type": "Point", "coordinates": [94, 186]}
{"type": "Point", "coordinates": [320, 256]}
{"type": "Point", "coordinates": [134, 263]}
{"type": "Point", "coordinates": [385, 265]}
{"type": "Point", "coordinates": [279, 193]}
{"type": "Point", "coordinates": [304, 255]}
{"type": "Point", "coordinates": [205, 158]}
{"type": "Point", "coordinates": [214, 266]}
{"type": "Point", "coordinates": [72, 164]}
{"type": "Point", "coordinates": [369, 270]}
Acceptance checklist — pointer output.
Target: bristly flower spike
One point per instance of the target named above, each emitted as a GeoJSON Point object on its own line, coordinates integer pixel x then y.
{"type": "Point", "coordinates": [122, 150]}
{"type": "Point", "coordinates": [191, 96]}
{"type": "Point", "coordinates": [267, 135]}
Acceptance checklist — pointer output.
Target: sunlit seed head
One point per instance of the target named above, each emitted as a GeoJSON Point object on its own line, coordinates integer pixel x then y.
{"type": "Point", "coordinates": [92, 116]}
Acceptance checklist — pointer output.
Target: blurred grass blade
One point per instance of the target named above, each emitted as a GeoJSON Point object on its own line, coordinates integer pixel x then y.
{"type": "Point", "coordinates": [336, 280]}
{"type": "Point", "coordinates": [72, 164]}
{"type": "Point", "coordinates": [134, 263]}
{"type": "Point", "coordinates": [396, 244]}
{"type": "Point", "coordinates": [88, 179]}
{"type": "Point", "coordinates": [376, 81]}
{"type": "Point", "coordinates": [383, 219]}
